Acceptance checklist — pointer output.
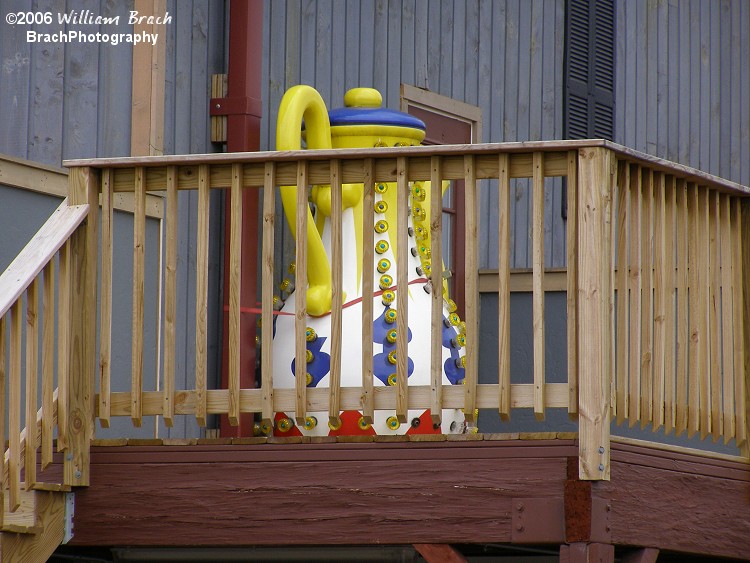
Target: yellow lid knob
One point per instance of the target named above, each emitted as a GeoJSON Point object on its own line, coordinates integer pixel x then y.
{"type": "Point", "coordinates": [363, 98]}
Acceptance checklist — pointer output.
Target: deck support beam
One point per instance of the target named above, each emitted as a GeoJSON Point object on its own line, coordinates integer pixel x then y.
{"type": "Point", "coordinates": [587, 553]}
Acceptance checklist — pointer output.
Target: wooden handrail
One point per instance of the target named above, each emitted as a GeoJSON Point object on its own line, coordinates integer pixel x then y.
{"type": "Point", "coordinates": [38, 252]}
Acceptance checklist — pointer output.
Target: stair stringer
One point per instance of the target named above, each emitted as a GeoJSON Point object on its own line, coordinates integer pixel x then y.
{"type": "Point", "coordinates": [44, 537]}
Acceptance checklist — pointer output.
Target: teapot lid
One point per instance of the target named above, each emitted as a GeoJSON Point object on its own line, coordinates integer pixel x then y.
{"type": "Point", "coordinates": [363, 107]}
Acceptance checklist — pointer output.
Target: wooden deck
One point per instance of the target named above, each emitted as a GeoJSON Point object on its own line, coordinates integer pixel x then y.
{"type": "Point", "coordinates": [487, 490]}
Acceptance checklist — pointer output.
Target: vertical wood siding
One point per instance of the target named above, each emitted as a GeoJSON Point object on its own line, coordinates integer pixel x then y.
{"type": "Point", "coordinates": [505, 56]}
{"type": "Point", "coordinates": [683, 82]}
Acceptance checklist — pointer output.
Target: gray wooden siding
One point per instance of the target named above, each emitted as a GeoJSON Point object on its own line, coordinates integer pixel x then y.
{"type": "Point", "coordinates": [505, 56]}
{"type": "Point", "coordinates": [683, 82]}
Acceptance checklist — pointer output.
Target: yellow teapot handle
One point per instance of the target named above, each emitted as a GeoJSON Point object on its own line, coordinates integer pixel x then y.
{"type": "Point", "coordinates": [304, 102]}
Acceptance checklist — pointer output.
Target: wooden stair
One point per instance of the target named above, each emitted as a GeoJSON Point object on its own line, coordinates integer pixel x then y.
{"type": "Point", "coordinates": [37, 527]}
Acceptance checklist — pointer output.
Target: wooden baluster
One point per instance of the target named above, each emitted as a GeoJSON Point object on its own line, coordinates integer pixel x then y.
{"type": "Point", "coordinates": [235, 283]}
{"type": "Point", "coordinates": [727, 317]}
{"type": "Point", "coordinates": [170, 298]}
{"type": "Point", "coordinates": [14, 418]}
{"type": "Point", "coordinates": [670, 327]}
{"type": "Point", "coordinates": [402, 292]}
{"type": "Point", "coordinates": [741, 302]}
{"type": "Point", "coordinates": [32, 373]}
{"type": "Point", "coordinates": [636, 234]}
{"type": "Point", "coordinates": [704, 279]}
{"type": "Point", "coordinates": [694, 267]}
{"type": "Point", "coordinates": [337, 296]}
{"type": "Point", "coordinates": [538, 283]}
{"type": "Point", "coordinates": [660, 300]}
{"type": "Point", "coordinates": [63, 345]}
{"type": "Point", "coordinates": [105, 320]}
{"type": "Point", "coordinates": [471, 293]}
{"type": "Point", "coordinates": [596, 174]}
{"type": "Point", "coordinates": [503, 297]}
{"type": "Point", "coordinates": [300, 284]}
{"type": "Point", "coordinates": [436, 247]}
{"type": "Point", "coordinates": [139, 257]}
{"type": "Point", "coordinates": [368, 273]}
{"type": "Point", "coordinates": [572, 283]}
{"type": "Point", "coordinates": [647, 284]}
{"type": "Point", "coordinates": [269, 220]}
{"type": "Point", "coordinates": [683, 282]}
{"type": "Point", "coordinates": [623, 216]}
{"type": "Point", "coordinates": [48, 362]}
{"type": "Point", "coordinates": [201, 295]}
{"type": "Point", "coordinates": [714, 295]}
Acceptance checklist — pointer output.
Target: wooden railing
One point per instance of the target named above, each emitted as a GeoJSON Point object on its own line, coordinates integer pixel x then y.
{"type": "Point", "coordinates": [657, 302]}
{"type": "Point", "coordinates": [30, 325]}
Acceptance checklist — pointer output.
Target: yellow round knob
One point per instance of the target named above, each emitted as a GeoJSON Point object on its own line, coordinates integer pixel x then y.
{"type": "Point", "coordinates": [392, 423]}
{"type": "Point", "coordinates": [363, 98]}
{"type": "Point", "coordinates": [392, 380]}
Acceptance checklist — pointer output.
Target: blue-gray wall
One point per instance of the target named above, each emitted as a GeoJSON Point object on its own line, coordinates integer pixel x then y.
{"type": "Point", "coordinates": [683, 82]}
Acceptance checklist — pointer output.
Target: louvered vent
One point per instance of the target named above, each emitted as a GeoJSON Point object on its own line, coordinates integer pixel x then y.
{"type": "Point", "coordinates": [590, 69]}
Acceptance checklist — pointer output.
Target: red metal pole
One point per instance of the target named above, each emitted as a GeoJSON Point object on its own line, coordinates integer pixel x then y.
{"type": "Point", "coordinates": [243, 134]}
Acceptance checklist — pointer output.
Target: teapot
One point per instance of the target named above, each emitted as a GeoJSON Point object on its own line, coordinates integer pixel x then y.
{"type": "Point", "coordinates": [361, 123]}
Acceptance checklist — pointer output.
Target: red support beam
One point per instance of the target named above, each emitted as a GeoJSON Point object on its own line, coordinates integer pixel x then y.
{"type": "Point", "coordinates": [242, 106]}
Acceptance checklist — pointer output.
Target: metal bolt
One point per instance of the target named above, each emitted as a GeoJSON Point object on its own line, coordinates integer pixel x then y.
{"type": "Point", "coordinates": [519, 527]}
{"type": "Point", "coordinates": [601, 449]}
{"type": "Point", "coordinates": [78, 474]}
{"type": "Point", "coordinates": [69, 457]}
{"type": "Point", "coordinates": [519, 506]}
{"type": "Point", "coordinates": [601, 467]}
{"type": "Point", "coordinates": [218, 106]}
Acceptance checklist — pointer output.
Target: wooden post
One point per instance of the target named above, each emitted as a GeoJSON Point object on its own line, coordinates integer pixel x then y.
{"type": "Point", "coordinates": [83, 187]}
{"type": "Point", "coordinates": [745, 242]}
{"type": "Point", "coordinates": [596, 173]}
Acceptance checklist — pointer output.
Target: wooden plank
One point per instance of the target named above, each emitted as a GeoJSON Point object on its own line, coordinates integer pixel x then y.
{"type": "Point", "coordinates": [139, 268]}
{"type": "Point", "coordinates": [471, 307]}
{"type": "Point", "coordinates": [235, 283]}
{"type": "Point", "coordinates": [670, 326]}
{"type": "Point", "coordinates": [681, 384]}
{"type": "Point", "coordinates": [402, 292]}
{"type": "Point", "coordinates": [201, 293]}
{"type": "Point", "coordinates": [636, 234]}
{"type": "Point", "coordinates": [503, 280]}
{"type": "Point", "coordinates": [105, 320]}
{"type": "Point", "coordinates": [32, 380]}
{"type": "Point", "coordinates": [647, 283]}
{"type": "Point", "coordinates": [537, 230]}
{"type": "Point", "coordinates": [170, 298]}
{"type": "Point", "coordinates": [269, 222]}
{"type": "Point", "coordinates": [368, 273]}
{"type": "Point", "coordinates": [741, 304]}
{"type": "Point", "coordinates": [522, 396]}
{"type": "Point", "coordinates": [660, 299]}
{"type": "Point", "coordinates": [572, 282]}
{"type": "Point", "coordinates": [300, 371]}
{"type": "Point", "coordinates": [595, 174]}
{"type": "Point", "coordinates": [436, 324]}
{"type": "Point", "coordinates": [63, 345]}
{"type": "Point", "coordinates": [337, 294]}
{"type": "Point", "coordinates": [729, 429]}
{"type": "Point", "coordinates": [622, 343]}
{"type": "Point", "coordinates": [48, 363]}
{"type": "Point", "coordinates": [714, 316]}
{"type": "Point", "coordinates": [14, 409]}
